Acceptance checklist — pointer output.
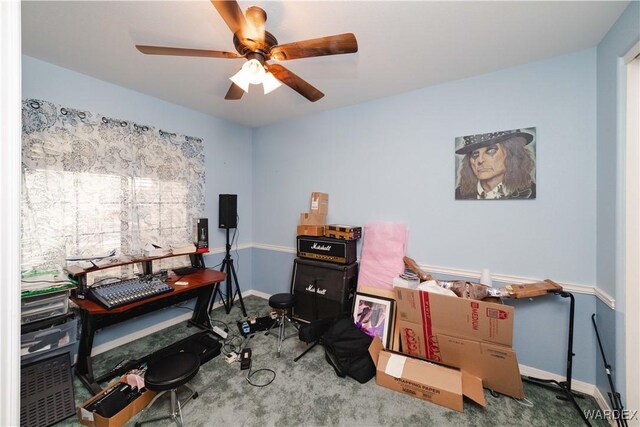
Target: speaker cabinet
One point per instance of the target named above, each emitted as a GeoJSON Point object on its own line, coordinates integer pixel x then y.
{"type": "Point", "coordinates": [228, 211]}
{"type": "Point", "coordinates": [322, 289]}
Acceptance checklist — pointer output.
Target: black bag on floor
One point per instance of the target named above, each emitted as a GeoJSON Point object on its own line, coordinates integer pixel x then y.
{"type": "Point", "coordinates": [347, 350]}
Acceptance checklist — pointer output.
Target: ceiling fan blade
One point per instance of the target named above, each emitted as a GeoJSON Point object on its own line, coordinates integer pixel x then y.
{"type": "Point", "coordinates": [256, 17]}
{"type": "Point", "coordinates": [329, 45]}
{"type": "Point", "coordinates": [178, 51]}
{"type": "Point", "coordinates": [234, 92]}
{"type": "Point", "coordinates": [232, 15]}
{"type": "Point", "coordinates": [295, 82]}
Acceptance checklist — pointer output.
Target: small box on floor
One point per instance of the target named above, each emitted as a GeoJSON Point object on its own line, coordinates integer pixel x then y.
{"type": "Point", "coordinates": [117, 399]}
{"type": "Point", "coordinates": [425, 380]}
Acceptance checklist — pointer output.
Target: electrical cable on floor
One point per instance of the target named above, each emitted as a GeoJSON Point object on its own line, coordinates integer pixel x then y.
{"type": "Point", "coordinates": [250, 374]}
{"type": "Point", "coordinates": [528, 404]}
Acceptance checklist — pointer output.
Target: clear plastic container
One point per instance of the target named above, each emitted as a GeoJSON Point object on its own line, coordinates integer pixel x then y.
{"type": "Point", "coordinates": [49, 341]}
{"type": "Point", "coordinates": [44, 306]}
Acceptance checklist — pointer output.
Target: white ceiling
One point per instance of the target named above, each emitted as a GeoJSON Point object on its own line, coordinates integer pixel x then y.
{"type": "Point", "coordinates": [403, 46]}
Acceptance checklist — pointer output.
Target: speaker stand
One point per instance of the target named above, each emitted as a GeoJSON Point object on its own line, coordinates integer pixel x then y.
{"type": "Point", "coordinates": [228, 268]}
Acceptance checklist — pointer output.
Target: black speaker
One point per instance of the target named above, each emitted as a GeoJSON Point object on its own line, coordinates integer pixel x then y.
{"type": "Point", "coordinates": [228, 211]}
{"type": "Point", "coordinates": [322, 289]}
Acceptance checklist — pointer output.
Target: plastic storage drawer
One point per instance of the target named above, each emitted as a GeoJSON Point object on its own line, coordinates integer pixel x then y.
{"type": "Point", "coordinates": [43, 306]}
{"type": "Point", "coordinates": [48, 341]}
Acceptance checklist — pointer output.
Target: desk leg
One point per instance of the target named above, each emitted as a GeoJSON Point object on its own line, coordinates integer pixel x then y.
{"type": "Point", "coordinates": [84, 367]}
{"type": "Point", "coordinates": [200, 317]}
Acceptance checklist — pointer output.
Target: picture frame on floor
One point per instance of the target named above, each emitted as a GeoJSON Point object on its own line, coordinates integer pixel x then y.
{"type": "Point", "coordinates": [374, 315]}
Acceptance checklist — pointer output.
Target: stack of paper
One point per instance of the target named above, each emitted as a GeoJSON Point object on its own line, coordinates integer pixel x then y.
{"type": "Point", "coordinates": [187, 248]}
{"type": "Point", "coordinates": [152, 250]}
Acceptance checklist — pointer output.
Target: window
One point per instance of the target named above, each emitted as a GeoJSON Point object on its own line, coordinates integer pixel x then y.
{"type": "Point", "coordinates": [92, 184]}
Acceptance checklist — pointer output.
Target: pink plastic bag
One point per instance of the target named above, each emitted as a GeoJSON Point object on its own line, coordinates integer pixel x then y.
{"type": "Point", "coordinates": [383, 248]}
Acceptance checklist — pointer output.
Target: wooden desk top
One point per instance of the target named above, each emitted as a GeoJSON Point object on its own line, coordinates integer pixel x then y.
{"type": "Point", "coordinates": [196, 280]}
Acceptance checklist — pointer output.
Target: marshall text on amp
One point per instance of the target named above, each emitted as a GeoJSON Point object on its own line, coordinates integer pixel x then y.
{"type": "Point", "coordinates": [339, 251]}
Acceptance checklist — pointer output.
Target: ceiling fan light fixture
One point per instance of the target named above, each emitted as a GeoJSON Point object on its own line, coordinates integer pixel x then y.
{"type": "Point", "coordinates": [270, 83]}
{"type": "Point", "coordinates": [254, 71]}
{"type": "Point", "coordinates": [241, 80]}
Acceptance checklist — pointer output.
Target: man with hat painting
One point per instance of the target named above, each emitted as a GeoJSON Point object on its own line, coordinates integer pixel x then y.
{"type": "Point", "coordinates": [497, 165]}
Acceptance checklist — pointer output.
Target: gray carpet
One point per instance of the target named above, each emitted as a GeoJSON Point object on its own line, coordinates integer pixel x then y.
{"type": "Point", "coordinates": [308, 392]}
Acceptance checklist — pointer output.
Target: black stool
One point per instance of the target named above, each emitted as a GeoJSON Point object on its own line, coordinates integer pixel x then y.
{"type": "Point", "coordinates": [167, 374]}
{"type": "Point", "coordinates": [283, 303]}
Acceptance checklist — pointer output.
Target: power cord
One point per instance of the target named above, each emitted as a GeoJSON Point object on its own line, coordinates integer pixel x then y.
{"type": "Point", "coordinates": [252, 373]}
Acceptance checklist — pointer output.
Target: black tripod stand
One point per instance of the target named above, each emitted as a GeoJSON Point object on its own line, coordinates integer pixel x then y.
{"type": "Point", "coordinates": [227, 267]}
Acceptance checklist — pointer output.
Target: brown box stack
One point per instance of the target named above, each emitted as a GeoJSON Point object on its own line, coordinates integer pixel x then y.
{"type": "Point", "coordinates": [313, 223]}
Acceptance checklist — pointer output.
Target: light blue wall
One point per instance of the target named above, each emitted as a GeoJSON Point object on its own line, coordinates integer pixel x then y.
{"type": "Point", "coordinates": [393, 160]}
{"type": "Point", "coordinates": [610, 260]}
{"type": "Point", "coordinates": [228, 149]}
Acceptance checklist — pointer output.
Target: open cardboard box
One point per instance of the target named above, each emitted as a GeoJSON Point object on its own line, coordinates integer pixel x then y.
{"type": "Point", "coordinates": [93, 419]}
{"type": "Point", "coordinates": [425, 380]}
{"type": "Point", "coordinates": [474, 336]}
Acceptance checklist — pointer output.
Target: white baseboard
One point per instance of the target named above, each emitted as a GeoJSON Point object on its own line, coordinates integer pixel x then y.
{"type": "Point", "coordinates": [578, 386]}
{"type": "Point", "coordinates": [257, 294]}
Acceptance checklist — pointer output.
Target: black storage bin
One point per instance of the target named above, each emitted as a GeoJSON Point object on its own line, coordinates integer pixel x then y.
{"type": "Point", "coordinates": [46, 391]}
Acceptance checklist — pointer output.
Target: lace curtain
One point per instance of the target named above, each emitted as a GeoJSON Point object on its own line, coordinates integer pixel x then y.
{"type": "Point", "coordinates": [92, 184]}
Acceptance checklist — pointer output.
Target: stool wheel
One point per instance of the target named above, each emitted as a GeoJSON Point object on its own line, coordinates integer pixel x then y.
{"type": "Point", "coordinates": [195, 395]}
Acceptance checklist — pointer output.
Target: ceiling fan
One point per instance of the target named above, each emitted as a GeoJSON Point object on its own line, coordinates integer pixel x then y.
{"type": "Point", "coordinates": [258, 46]}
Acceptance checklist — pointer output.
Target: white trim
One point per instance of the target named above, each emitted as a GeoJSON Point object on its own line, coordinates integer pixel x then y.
{"type": "Point", "coordinates": [632, 54]}
{"type": "Point", "coordinates": [10, 163]}
{"type": "Point", "coordinates": [256, 294]}
{"type": "Point", "coordinates": [222, 249]}
{"type": "Point", "coordinates": [472, 274]}
{"type": "Point", "coordinates": [603, 404]}
{"type": "Point", "coordinates": [267, 247]}
{"type": "Point", "coordinates": [578, 386]}
{"type": "Point", "coordinates": [632, 228]}
{"type": "Point", "coordinates": [504, 278]}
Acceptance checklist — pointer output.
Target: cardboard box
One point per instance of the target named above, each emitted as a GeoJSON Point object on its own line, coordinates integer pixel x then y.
{"type": "Point", "coordinates": [319, 203]}
{"type": "Point", "coordinates": [474, 336]}
{"type": "Point", "coordinates": [425, 380]}
{"type": "Point", "coordinates": [311, 218]}
{"type": "Point", "coordinates": [310, 230]}
{"type": "Point", "coordinates": [93, 419]}
{"type": "Point", "coordinates": [461, 317]}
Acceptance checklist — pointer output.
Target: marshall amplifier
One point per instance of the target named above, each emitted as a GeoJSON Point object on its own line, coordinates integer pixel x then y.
{"type": "Point", "coordinates": [322, 290]}
{"type": "Point", "coordinates": [326, 249]}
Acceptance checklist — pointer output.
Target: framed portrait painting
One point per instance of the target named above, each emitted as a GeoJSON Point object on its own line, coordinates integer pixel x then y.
{"type": "Point", "coordinates": [374, 315]}
{"type": "Point", "coordinates": [497, 165]}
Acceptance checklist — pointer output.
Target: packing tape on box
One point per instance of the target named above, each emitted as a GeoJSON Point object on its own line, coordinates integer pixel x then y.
{"type": "Point", "coordinates": [395, 365]}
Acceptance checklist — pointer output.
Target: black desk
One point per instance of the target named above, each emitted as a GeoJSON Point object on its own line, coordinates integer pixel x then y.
{"type": "Point", "coordinates": [201, 285]}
